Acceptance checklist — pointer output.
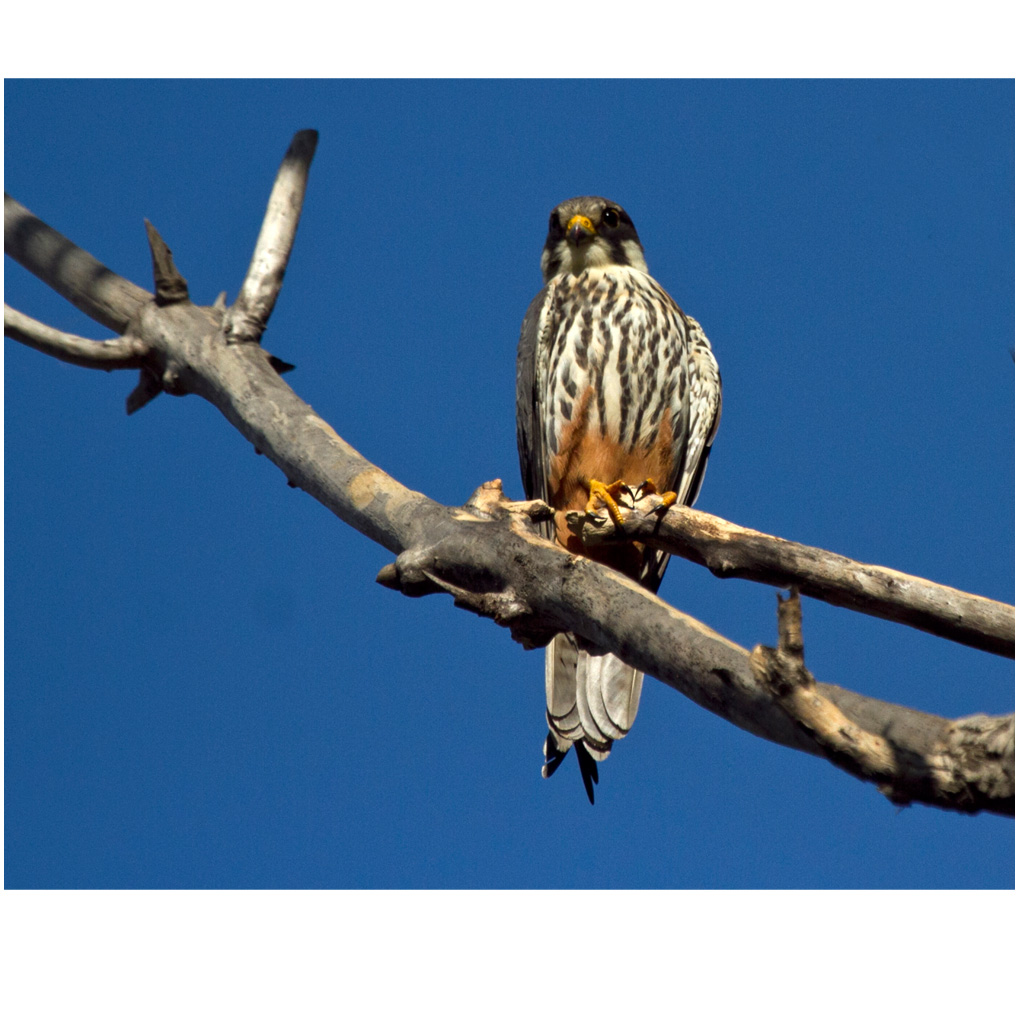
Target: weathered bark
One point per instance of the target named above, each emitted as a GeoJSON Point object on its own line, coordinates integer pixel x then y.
{"type": "Point", "coordinates": [973, 755]}
{"type": "Point", "coordinates": [486, 554]}
{"type": "Point", "coordinates": [729, 550]}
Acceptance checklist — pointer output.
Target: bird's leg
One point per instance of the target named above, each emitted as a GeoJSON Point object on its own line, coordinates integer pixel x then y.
{"type": "Point", "coordinates": [611, 496]}
{"type": "Point", "coordinates": [607, 495]}
{"type": "Point", "coordinates": [648, 487]}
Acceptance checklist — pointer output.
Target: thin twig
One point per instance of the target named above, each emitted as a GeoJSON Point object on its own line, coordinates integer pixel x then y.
{"type": "Point", "coordinates": [111, 354]}
{"type": "Point", "coordinates": [248, 317]}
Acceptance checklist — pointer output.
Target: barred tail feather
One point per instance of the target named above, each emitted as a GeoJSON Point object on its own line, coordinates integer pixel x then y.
{"type": "Point", "coordinates": [560, 688]}
{"type": "Point", "coordinates": [592, 701]}
{"type": "Point", "coordinates": [610, 689]}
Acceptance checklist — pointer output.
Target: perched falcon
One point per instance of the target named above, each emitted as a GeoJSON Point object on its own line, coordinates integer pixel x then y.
{"type": "Point", "coordinates": [614, 383]}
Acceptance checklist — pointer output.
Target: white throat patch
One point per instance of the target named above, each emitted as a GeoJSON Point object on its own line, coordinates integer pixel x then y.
{"type": "Point", "coordinates": [572, 259]}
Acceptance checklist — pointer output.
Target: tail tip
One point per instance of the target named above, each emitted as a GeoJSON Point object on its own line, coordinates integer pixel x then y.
{"type": "Point", "coordinates": [553, 757]}
{"type": "Point", "coordinates": [588, 769]}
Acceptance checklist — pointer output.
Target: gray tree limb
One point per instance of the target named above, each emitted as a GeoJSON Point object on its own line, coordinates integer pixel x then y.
{"type": "Point", "coordinates": [486, 553]}
{"type": "Point", "coordinates": [974, 755]}
{"type": "Point", "coordinates": [248, 317]}
{"type": "Point", "coordinates": [113, 354]}
{"type": "Point", "coordinates": [729, 550]}
{"type": "Point", "coordinates": [86, 283]}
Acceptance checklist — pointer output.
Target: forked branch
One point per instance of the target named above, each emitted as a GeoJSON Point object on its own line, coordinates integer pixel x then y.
{"type": "Point", "coordinates": [486, 554]}
{"type": "Point", "coordinates": [974, 755]}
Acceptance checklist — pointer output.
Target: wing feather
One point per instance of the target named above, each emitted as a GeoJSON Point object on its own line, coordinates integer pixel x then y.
{"type": "Point", "coordinates": [534, 458]}
{"type": "Point", "coordinates": [702, 404]}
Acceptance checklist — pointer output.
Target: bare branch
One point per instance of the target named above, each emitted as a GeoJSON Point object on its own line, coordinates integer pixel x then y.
{"type": "Point", "coordinates": [487, 553]}
{"type": "Point", "coordinates": [247, 319]}
{"type": "Point", "coordinates": [729, 550]}
{"type": "Point", "coordinates": [112, 354]}
{"type": "Point", "coordinates": [72, 272]}
{"type": "Point", "coordinates": [971, 764]}
{"type": "Point", "coordinates": [538, 590]}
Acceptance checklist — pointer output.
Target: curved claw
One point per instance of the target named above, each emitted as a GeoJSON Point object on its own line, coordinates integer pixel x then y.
{"type": "Point", "coordinates": [607, 495]}
{"type": "Point", "coordinates": [649, 487]}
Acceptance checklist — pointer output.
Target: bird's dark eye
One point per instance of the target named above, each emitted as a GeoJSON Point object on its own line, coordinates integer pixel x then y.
{"type": "Point", "coordinates": [610, 217]}
{"type": "Point", "coordinates": [554, 224]}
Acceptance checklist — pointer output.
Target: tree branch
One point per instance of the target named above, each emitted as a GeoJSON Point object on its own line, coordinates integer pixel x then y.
{"type": "Point", "coordinates": [113, 354]}
{"type": "Point", "coordinates": [974, 757]}
{"type": "Point", "coordinates": [72, 272]}
{"type": "Point", "coordinates": [729, 550]}
{"type": "Point", "coordinates": [487, 553]}
{"type": "Point", "coordinates": [248, 317]}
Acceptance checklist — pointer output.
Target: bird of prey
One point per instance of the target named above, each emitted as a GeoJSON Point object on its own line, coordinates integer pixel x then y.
{"type": "Point", "coordinates": [614, 384]}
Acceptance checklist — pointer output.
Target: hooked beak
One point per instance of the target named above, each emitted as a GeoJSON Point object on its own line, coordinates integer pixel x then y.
{"type": "Point", "coordinates": [579, 230]}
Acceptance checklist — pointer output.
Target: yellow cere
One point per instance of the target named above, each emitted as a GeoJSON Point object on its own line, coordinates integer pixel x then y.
{"type": "Point", "coordinates": [583, 222]}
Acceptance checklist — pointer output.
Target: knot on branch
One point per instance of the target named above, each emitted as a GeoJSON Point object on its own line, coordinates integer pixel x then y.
{"type": "Point", "coordinates": [152, 382]}
{"type": "Point", "coordinates": [981, 754]}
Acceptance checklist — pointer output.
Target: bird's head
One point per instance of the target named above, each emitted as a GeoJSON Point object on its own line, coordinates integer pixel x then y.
{"type": "Point", "coordinates": [589, 231]}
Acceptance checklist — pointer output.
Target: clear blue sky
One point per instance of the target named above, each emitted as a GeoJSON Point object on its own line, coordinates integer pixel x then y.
{"type": "Point", "coordinates": [204, 686]}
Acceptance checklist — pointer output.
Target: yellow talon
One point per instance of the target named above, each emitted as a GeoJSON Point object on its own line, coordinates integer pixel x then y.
{"type": "Point", "coordinates": [607, 495]}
